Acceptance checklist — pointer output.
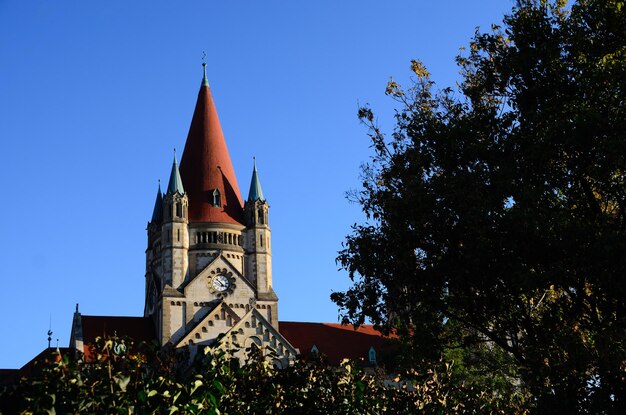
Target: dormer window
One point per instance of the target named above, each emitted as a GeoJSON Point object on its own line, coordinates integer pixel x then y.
{"type": "Point", "coordinates": [216, 198]}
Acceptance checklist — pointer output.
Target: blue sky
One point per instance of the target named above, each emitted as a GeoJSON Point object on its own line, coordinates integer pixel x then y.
{"type": "Point", "coordinates": [95, 95]}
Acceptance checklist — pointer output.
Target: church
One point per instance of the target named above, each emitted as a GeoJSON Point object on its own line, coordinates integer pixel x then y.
{"type": "Point", "coordinates": [208, 278]}
{"type": "Point", "coordinates": [209, 255]}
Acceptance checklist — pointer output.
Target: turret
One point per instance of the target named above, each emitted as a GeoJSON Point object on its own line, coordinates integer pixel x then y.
{"type": "Point", "coordinates": [174, 232]}
{"type": "Point", "coordinates": [153, 256]}
{"type": "Point", "coordinates": [259, 242]}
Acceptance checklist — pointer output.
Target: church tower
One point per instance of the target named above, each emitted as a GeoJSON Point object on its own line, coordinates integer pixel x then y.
{"type": "Point", "coordinates": [209, 257]}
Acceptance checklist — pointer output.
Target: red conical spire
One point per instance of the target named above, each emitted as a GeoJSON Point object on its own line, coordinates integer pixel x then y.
{"type": "Point", "coordinates": [206, 167]}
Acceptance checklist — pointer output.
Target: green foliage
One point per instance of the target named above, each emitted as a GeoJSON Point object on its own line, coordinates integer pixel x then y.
{"type": "Point", "coordinates": [144, 379]}
{"type": "Point", "coordinates": [496, 213]}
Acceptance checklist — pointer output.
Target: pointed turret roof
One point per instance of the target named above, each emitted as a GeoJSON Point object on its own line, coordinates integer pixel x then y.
{"type": "Point", "coordinates": [176, 183]}
{"type": "Point", "coordinates": [255, 192]}
{"type": "Point", "coordinates": [205, 166]}
{"type": "Point", "coordinates": [157, 213]}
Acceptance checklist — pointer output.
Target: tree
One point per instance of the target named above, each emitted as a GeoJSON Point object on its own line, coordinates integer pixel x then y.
{"type": "Point", "coordinates": [128, 378]}
{"type": "Point", "coordinates": [496, 212]}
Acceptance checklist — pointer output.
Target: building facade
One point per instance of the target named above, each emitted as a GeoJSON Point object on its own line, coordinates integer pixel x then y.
{"type": "Point", "coordinates": [209, 255]}
{"type": "Point", "coordinates": [208, 279]}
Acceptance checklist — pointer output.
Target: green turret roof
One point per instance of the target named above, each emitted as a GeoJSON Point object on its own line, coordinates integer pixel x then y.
{"type": "Point", "coordinates": [157, 213]}
{"type": "Point", "coordinates": [176, 184]}
{"type": "Point", "coordinates": [255, 187]}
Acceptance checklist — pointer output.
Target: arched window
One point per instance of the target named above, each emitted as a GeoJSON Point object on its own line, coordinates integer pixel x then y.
{"type": "Point", "coordinates": [372, 355]}
{"type": "Point", "coordinates": [315, 351]}
{"type": "Point", "coordinates": [179, 210]}
{"type": "Point", "coordinates": [216, 198]}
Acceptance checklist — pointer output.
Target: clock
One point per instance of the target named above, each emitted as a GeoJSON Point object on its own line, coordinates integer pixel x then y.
{"type": "Point", "coordinates": [220, 283]}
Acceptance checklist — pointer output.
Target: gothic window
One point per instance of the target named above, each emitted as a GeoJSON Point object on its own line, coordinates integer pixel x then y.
{"type": "Point", "coordinates": [261, 220]}
{"type": "Point", "coordinates": [314, 350]}
{"type": "Point", "coordinates": [216, 198]}
{"type": "Point", "coordinates": [372, 355]}
{"type": "Point", "coordinates": [179, 210]}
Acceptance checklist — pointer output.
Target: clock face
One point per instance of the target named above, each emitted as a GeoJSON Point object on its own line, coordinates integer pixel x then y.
{"type": "Point", "coordinates": [220, 283]}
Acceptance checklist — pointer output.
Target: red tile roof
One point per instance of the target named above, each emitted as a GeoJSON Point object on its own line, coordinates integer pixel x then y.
{"type": "Point", "coordinates": [138, 328]}
{"type": "Point", "coordinates": [335, 341]}
{"type": "Point", "coordinates": [205, 166]}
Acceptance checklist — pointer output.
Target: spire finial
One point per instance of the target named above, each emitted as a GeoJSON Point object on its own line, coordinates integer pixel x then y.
{"type": "Point", "coordinates": [50, 331]}
{"type": "Point", "coordinates": [205, 81]}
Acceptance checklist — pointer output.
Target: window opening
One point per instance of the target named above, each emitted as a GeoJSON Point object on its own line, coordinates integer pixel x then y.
{"type": "Point", "coordinates": [217, 199]}
{"type": "Point", "coordinates": [372, 355]}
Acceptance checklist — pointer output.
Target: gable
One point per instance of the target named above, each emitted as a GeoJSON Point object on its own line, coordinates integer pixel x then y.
{"type": "Point", "coordinates": [205, 331]}
{"type": "Point", "coordinates": [201, 284]}
{"type": "Point", "coordinates": [254, 331]}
